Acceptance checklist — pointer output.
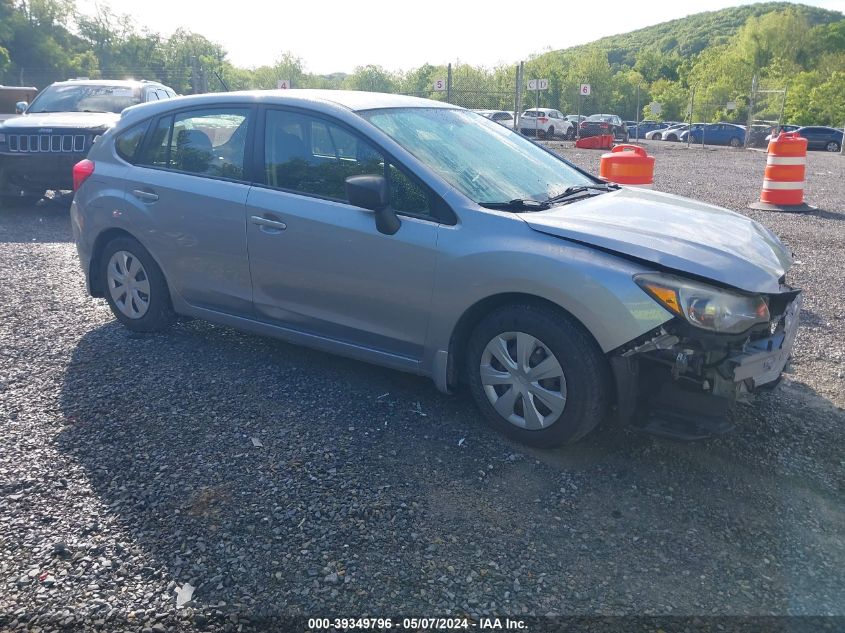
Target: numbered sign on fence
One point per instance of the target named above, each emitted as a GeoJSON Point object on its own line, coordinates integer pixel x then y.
{"type": "Point", "coordinates": [730, 105]}
{"type": "Point", "coordinates": [538, 84]}
{"type": "Point", "coordinates": [440, 85]}
{"type": "Point", "coordinates": [585, 90]}
{"type": "Point", "coordinates": [283, 84]}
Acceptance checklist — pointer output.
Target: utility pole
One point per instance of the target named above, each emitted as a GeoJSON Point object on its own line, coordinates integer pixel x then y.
{"type": "Point", "coordinates": [449, 83]}
{"type": "Point", "coordinates": [517, 104]}
{"type": "Point", "coordinates": [751, 110]}
{"type": "Point", "coordinates": [842, 143]}
{"type": "Point", "coordinates": [578, 123]}
{"type": "Point", "coordinates": [691, 108]}
{"type": "Point", "coordinates": [638, 112]}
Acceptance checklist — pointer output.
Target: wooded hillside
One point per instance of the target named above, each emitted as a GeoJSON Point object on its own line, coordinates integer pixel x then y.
{"type": "Point", "coordinates": [788, 46]}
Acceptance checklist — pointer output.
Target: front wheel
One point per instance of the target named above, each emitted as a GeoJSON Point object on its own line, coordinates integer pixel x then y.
{"type": "Point", "coordinates": [536, 375]}
{"type": "Point", "coordinates": [135, 288]}
{"type": "Point", "coordinates": [833, 146]}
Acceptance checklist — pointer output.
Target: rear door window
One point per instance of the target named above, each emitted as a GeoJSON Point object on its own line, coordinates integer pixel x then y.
{"type": "Point", "coordinates": [208, 142]}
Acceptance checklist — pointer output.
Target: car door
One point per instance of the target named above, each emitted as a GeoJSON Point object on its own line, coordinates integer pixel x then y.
{"type": "Point", "coordinates": [814, 137]}
{"type": "Point", "coordinates": [188, 191]}
{"type": "Point", "coordinates": [319, 265]}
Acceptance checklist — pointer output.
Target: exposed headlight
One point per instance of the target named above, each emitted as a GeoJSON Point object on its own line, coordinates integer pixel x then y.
{"type": "Point", "coordinates": [704, 306]}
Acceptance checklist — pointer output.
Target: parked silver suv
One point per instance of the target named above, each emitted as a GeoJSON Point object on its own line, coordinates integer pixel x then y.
{"type": "Point", "coordinates": [424, 237]}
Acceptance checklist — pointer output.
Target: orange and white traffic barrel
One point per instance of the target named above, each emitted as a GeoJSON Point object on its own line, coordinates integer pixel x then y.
{"type": "Point", "coordinates": [783, 182]}
{"type": "Point", "coordinates": [628, 165]}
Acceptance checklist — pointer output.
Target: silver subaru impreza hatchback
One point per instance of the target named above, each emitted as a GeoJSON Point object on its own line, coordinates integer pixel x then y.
{"type": "Point", "coordinates": [423, 237]}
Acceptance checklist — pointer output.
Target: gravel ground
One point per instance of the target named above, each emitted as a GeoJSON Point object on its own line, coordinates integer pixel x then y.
{"type": "Point", "coordinates": [282, 481]}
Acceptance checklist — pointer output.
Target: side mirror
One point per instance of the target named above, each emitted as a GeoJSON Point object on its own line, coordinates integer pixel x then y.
{"type": "Point", "coordinates": [370, 192]}
{"type": "Point", "coordinates": [20, 107]}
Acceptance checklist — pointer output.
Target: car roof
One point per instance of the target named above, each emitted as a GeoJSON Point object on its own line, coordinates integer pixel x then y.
{"type": "Point", "coordinates": [350, 100]}
{"type": "Point", "coordinates": [128, 83]}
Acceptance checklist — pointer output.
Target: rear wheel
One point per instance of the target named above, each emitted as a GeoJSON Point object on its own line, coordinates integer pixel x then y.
{"type": "Point", "coordinates": [550, 133]}
{"type": "Point", "coordinates": [833, 146]}
{"type": "Point", "coordinates": [735, 142]}
{"type": "Point", "coordinates": [135, 288]}
{"type": "Point", "coordinates": [536, 375]}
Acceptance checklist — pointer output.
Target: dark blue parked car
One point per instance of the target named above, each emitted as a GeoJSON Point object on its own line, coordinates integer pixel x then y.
{"type": "Point", "coordinates": [717, 134]}
{"type": "Point", "coordinates": [644, 127]}
{"type": "Point", "coordinates": [820, 137]}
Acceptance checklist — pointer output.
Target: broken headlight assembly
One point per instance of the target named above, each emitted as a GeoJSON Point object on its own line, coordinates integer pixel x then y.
{"type": "Point", "coordinates": [705, 306]}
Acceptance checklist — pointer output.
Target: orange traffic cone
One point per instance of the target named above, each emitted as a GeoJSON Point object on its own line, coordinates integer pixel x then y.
{"type": "Point", "coordinates": [783, 183]}
{"type": "Point", "coordinates": [628, 165]}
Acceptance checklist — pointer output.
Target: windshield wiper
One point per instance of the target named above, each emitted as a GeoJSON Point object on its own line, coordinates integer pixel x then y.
{"type": "Point", "coordinates": [518, 204]}
{"type": "Point", "coordinates": [577, 190]}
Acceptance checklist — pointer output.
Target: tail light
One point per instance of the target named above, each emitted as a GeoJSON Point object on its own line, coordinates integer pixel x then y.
{"type": "Point", "coordinates": [81, 171]}
{"type": "Point", "coordinates": [604, 126]}
{"type": "Point", "coordinates": [542, 119]}
{"type": "Point", "coordinates": [583, 124]}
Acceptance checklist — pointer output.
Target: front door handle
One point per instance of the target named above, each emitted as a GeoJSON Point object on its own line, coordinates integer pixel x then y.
{"type": "Point", "coordinates": [146, 196]}
{"type": "Point", "coordinates": [267, 223]}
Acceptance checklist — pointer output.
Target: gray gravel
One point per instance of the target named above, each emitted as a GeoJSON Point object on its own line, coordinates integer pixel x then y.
{"type": "Point", "coordinates": [129, 467]}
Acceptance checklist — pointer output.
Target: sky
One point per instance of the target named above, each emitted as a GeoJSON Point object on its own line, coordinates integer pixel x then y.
{"type": "Point", "coordinates": [339, 35]}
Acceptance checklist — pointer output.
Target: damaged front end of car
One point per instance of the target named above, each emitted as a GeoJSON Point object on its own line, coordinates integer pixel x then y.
{"type": "Point", "coordinates": [720, 347]}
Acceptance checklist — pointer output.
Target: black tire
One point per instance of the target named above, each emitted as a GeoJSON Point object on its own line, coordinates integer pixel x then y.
{"type": "Point", "coordinates": [833, 146]}
{"type": "Point", "coordinates": [735, 142]}
{"type": "Point", "coordinates": [570, 134]}
{"type": "Point", "coordinates": [585, 373]}
{"type": "Point", "coordinates": [550, 133]}
{"type": "Point", "coordinates": [159, 314]}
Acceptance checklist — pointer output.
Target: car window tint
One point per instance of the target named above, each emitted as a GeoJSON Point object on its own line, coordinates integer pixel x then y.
{"type": "Point", "coordinates": [406, 196]}
{"type": "Point", "coordinates": [155, 153]}
{"type": "Point", "coordinates": [207, 142]}
{"type": "Point", "coordinates": [310, 155]}
{"type": "Point", "coordinates": [127, 143]}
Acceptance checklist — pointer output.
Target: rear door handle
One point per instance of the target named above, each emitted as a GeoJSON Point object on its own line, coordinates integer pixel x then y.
{"type": "Point", "coordinates": [146, 196]}
{"type": "Point", "coordinates": [267, 223]}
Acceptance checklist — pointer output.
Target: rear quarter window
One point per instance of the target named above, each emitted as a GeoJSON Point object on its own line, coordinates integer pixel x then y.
{"type": "Point", "coordinates": [127, 143]}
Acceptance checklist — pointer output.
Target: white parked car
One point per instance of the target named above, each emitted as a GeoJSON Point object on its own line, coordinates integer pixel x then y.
{"type": "Point", "coordinates": [546, 123]}
{"type": "Point", "coordinates": [505, 117]}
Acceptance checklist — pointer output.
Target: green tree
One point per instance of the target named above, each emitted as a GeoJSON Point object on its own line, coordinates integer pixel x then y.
{"type": "Point", "coordinates": [372, 78]}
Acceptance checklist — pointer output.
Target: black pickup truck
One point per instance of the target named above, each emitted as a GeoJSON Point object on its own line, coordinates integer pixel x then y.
{"type": "Point", "coordinates": [39, 148]}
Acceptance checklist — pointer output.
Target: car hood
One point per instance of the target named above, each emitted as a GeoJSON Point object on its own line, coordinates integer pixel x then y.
{"type": "Point", "coordinates": [62, 120]}
{"type": "Point", "coordinates": [674, 232]}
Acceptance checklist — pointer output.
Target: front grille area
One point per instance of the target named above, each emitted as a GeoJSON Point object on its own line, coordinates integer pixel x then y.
{"type": "Point", "coordinates": [31, 143]}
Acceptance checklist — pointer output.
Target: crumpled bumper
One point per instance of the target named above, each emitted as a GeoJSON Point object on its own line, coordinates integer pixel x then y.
{"type": "Point", "coordinates": [681, 385]}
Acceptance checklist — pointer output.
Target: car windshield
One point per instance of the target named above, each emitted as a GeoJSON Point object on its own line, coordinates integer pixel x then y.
{"type": "Point", "coordinates": [485, 161]}
{"type": "Point", "coordinates": [85, 98]}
